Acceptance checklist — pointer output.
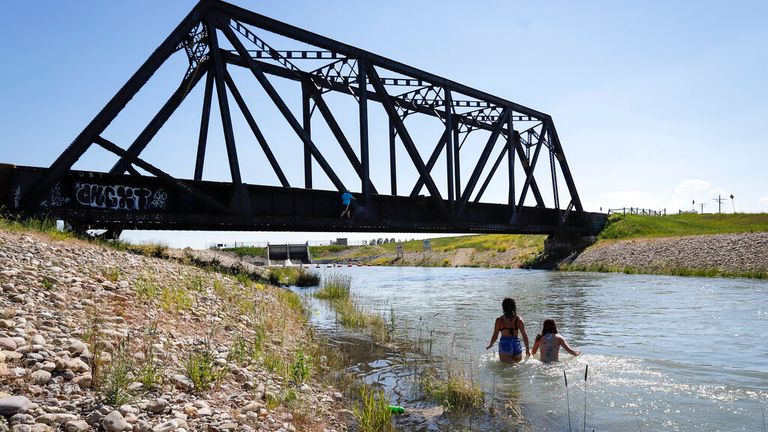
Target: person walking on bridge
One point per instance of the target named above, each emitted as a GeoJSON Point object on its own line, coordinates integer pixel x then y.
{"type": "Point", "coordinates": [346, 201]}
{"type": "Point", "coordinates": [509, 325]}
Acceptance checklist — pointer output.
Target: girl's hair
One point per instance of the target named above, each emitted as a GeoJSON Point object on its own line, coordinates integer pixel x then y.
{"type": "Point", "coordinates": [549, 327]}
{"type": "Point", "coordinates": [509, 307]}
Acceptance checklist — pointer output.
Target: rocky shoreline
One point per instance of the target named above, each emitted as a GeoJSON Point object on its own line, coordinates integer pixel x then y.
{"type": "Point", "coordinates": [92, 338]}
{"type": "Point", "coordinates": [716, 255]}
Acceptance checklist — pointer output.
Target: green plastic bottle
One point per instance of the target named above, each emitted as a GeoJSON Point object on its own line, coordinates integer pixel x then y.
{"type": "Point", "coordinates": [396, 409]}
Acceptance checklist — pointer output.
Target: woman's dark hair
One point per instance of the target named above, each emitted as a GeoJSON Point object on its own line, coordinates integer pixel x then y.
{"type": "Point", "coordinates": [549, 327]}
{"type": "Point", "coordinates": [509, 307]}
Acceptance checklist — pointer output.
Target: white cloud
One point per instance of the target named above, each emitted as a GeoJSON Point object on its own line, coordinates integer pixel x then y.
{"type": "Point", "coordinates": [764, 201]}
{"type": "Point", "coordinates": [692, 188]}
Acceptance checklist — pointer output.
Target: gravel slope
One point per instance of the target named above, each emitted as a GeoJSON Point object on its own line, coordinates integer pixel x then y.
{"type": "Point", "coordinates": [67, 306]}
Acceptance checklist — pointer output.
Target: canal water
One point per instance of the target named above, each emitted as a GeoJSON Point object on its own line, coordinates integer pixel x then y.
{"type": "Point", "coordinates": [664, 353]}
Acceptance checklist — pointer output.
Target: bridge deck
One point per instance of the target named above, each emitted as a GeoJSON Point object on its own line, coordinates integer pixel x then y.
{"type": "Point", "coordinates": [102, 200]}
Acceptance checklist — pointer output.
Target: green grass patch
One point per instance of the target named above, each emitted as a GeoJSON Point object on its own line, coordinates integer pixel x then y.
{"type": "Point", "coordinates": [301, 368]}
{"type": "Point", "coordinates": [334, 286]}
{"type": "Point", "coordinates": [637, 226]}
{"type": "Point", "coordinates": [454, 391]}
{"type": "Point", "coordinates": [320, 252]}
{"type": "Point", "coordinates": [146, 288]}
{"type": "Point", "coordinates": [176, 298]}
{"type": "Point", "coordinates": [118, 375]}
{"type": "Point", "coordinates": [669, 271]}
{"type": "Point", "coordinates": [200, 367]}
{"type": "Point", "coordinates": [307, 279]}
{"type": "Point", "coordinates": [295, 276]}
{"type": "Point", "coordinates": [372, 411]}
{"type": "Point", "coordinates": [45, 226]}
{"type": "Point", "coordinates": [248, 251]}
{"type": "Point", "coordinates": [111, 274]}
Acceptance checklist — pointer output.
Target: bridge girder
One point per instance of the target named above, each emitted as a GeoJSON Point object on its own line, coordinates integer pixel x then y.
{"type": "Point", "coordinates": [367, 77]}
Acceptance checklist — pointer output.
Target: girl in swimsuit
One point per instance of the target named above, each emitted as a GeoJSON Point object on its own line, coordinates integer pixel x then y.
{"type": "Point", "coordinates": [508, 325]}
{"type": "Point", "coordinates": [550, 342]}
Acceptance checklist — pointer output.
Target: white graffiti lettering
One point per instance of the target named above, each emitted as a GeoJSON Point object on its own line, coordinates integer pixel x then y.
{"type": "Point", "coordinates": [57, 199]}
{"type": "Point", "coordinates": [113, 197]}
{"type": "Point", "coordinates": [158, 200]}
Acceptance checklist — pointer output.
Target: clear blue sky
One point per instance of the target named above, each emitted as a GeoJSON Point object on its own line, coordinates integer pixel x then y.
{"type": "Point", "coordinates": [656, 103]}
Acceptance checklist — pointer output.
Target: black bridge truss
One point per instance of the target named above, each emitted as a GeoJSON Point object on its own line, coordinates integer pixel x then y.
{"type": "Point", "coordinates": [217, 36]}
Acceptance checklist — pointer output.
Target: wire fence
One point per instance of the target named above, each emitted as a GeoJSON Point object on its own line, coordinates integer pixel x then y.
{"type": "Point", "coordinates": [637, 211]}
{"type": "Point", "coordinates": [264, 244]}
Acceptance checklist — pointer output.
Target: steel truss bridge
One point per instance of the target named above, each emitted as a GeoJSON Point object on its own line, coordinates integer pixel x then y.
{"type": "Point", "coordinates": [216, 37]}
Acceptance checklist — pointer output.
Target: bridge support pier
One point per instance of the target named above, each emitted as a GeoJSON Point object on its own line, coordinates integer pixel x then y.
{"type": "Point", "coordinates": [561, 249]}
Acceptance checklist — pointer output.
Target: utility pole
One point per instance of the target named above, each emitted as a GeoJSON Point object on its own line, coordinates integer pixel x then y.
{"type": "Point", "coordinates": [719, 203]}
{"type": "Point", "coordinates": [702, 207]}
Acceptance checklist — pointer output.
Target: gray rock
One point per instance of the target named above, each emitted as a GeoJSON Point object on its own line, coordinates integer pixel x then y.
{"type": "Point", "coordinates": [182, 382]}
{"type": "Point", "coordinates": [11, 405]}
{"type": "Point", "coordinates": [76, 426]}
{"type": "Point", "coordinates": [55, 419]}
{"type": "Point", "coordinates": [157, 406]}
{"type": "Point", "coordinates": [40, 377]}
{"type": "Point", "coordinates": [7, 343]}
{"type": "Point", "coordinates": [114, 422]}
{"type": "Point", "coordinates": [141, 426]}
{"type": "Point", "coordinates": [76, 347]}
{"type": "Point", "coordinates": [168, 426]}
{"type": "Point", "coordinates": [7, 323]}
{"type": "Point", "coordinates": [84, 381]}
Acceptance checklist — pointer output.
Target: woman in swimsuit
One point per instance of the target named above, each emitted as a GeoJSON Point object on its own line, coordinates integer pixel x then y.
{"type": "Point", "coordinates": [508, 325]}
{"type": "Point", "coordinates": [550, 342]}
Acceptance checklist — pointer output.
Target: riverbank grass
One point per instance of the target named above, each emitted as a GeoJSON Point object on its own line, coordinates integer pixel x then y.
{"type": "Point", "coordinates": [668, 271]}
{"type": "Point", "coordinates": [372, 411]}
{"type": "Point", "coordinates": [336, 289]}
{"type": "Point", "coordinates": [453, 391]}
{"type": "Point", "coordinates": [637, 226]}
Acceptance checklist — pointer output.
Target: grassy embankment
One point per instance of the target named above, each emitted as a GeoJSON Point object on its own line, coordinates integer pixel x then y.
{"type": "Point", "coordinates": [488, 250]}
{"type": "Point", "coordinates": [260, 252]}
{"type": "Point", "coordinates": [633, 227]}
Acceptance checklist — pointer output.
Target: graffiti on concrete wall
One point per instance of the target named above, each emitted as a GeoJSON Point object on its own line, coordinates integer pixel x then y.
{"type": "Point", "coordinates": [119, 197]}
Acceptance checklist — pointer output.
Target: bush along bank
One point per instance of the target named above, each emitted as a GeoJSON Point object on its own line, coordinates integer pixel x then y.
{"type": "Point", "coordinates": [94, 338]}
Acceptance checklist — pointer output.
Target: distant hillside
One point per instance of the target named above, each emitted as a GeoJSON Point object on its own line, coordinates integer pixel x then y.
{"type": "Point", "coordinates": [490, 250]}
